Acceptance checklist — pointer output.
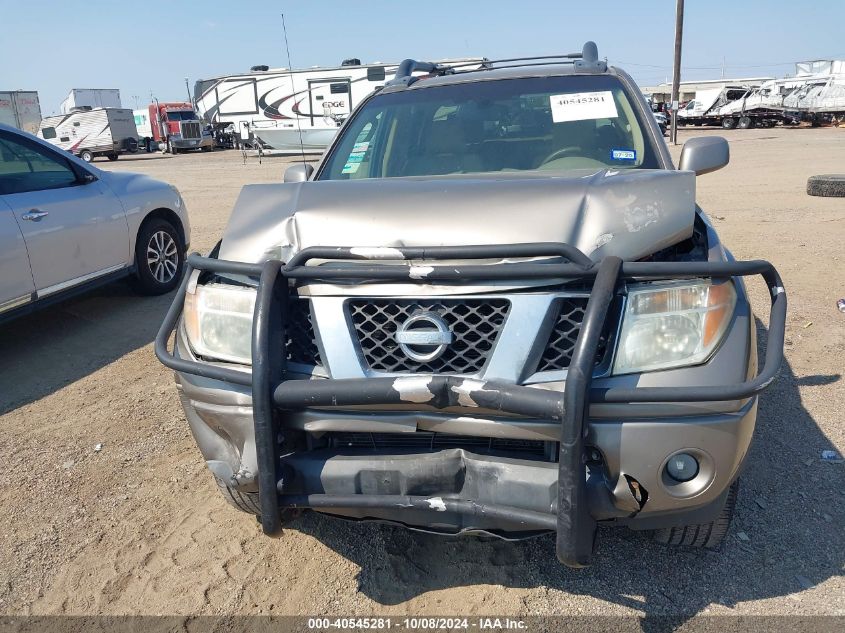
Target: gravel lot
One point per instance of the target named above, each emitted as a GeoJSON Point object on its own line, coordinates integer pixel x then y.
{"type": "Point", "coordinates": [139, 527]}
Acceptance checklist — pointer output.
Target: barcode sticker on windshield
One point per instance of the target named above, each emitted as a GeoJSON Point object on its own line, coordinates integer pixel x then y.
{"type": "Point", "coordinates": [580, 106]}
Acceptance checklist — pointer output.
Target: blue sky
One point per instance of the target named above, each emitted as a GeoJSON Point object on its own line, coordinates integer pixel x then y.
{"type": "Point", "coordinates": [144, 47]}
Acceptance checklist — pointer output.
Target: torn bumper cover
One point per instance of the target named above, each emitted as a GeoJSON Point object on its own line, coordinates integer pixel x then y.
{"type": "Point", "coordinates": [569, 514]}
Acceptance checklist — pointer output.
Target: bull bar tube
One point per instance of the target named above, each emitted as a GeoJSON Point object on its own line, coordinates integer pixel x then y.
{"type": "Point", "coordinates": [574, 526]}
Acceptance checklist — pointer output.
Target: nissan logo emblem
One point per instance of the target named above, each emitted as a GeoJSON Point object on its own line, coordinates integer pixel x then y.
{"type": "Point", "coordinates": [424, 336]}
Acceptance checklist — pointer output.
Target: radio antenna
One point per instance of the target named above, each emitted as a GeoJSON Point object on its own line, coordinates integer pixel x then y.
{"type": "Point", "coordinates": [295, 110]}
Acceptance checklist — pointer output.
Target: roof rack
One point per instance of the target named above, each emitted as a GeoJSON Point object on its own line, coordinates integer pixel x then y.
{"type": "Point", "coordinates": [585, 61]}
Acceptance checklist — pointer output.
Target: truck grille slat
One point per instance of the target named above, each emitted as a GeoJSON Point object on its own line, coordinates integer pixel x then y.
{"type": "Point", "coordinates": [300, 339]}
{"type": "Point", "coordinates": [558, 352]}
{"type": "Point", "coordinates": [191, 130]}
{"type": "Point", "coordinates": [474, 323]}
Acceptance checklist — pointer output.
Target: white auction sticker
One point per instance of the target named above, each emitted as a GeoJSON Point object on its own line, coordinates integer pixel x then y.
{"type": "Point", "coordinates": [580, 106]}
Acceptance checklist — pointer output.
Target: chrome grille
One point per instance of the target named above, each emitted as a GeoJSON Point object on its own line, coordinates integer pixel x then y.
{"type": "Point", "coordinates": [191, 130]}
{"type": "Point", "coordinates": [474, 323]}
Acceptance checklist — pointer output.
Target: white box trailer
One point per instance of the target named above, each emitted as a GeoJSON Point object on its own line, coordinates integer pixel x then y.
{"type": "Point", "coordinates": [291, 110]}
{"type": "Point", "coordinates": [142, 123]}
{"type": "Point", "coordinates": [20, 109]}
{"type": "Point", "coordinates": [91, 98]}
{"type": "Point", "coordinates": [89, 133]}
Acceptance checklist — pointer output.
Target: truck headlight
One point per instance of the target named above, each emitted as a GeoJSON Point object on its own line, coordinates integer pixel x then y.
{"type": "Point", "coordinates": [673, 326]}
{"type": "Point", "coordinates": [218, 321]}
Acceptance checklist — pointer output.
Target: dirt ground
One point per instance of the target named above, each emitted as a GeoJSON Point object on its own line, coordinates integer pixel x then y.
{"type": "Point", "coordinates": [139, 527]}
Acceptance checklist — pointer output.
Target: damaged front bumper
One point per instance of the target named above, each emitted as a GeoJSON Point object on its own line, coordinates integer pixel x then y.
{"type": "Point", "coordinates": [577, 492]}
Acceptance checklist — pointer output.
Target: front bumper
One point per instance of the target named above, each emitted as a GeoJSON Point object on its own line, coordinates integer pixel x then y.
{"type": "Point", "coordinates": [191, 143]}
{"type": "Point", "coordinates": [571, 509]}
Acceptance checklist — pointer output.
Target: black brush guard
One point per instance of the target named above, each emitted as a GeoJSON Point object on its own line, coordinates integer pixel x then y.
{"type": "Point", "coordinates": [272, 392]}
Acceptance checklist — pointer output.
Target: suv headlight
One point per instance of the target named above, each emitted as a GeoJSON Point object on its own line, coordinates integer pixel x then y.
{"type": "Point", "coordinates": [218, 321]}
{"type": "Point", "coordinates": [673, 326]}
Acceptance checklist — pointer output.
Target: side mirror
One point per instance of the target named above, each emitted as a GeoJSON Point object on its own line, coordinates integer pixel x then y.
{"type": "Point", "coordinates": [300, 172]}
{"type": "Point", "coordinates": [704, 154]}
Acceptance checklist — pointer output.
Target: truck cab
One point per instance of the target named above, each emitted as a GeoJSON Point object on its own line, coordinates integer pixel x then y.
{"type": "Point", "coordinates": [175, 126]}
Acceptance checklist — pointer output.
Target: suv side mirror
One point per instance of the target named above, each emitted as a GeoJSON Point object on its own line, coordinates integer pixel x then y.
{"type": "Point", "coordinates": [704, 154]}
{"type": "Point", "coordinates": [300, 172]}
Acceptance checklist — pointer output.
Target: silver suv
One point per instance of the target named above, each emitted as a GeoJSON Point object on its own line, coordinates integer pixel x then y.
{"type": "Point", "coordinates": [494, 307]}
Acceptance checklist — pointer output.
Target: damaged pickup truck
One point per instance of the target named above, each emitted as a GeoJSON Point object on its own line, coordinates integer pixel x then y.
{"type": "Point", "coordinates": [494, 307]}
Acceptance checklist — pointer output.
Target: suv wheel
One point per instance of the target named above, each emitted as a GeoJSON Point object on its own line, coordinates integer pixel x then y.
{"type": "Point", "coordinates": [243, 501]}
{"type": "Point", "coordinates": [112, 156]}
{"type": "Point", "coordinates": [87, 155]}
{"type": "Point", "coordinates": [249, 501]}
{"type": "Point", "coordinates": [159, 257]}
{"type": "Point", "coordinates": [709, 535]}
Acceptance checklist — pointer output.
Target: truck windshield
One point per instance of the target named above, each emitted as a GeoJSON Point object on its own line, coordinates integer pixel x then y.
{"type": "Point", "coordinates": [182, 115]}
{"type": "Point", "coordinates": [545, 123]}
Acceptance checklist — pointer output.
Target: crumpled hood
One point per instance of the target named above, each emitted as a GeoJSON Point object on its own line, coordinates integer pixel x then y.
{"type": "Point", "coordinates": [627, 213]}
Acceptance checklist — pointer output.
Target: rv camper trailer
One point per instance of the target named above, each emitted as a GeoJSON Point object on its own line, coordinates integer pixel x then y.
{"type": "Point", "coordinates": [89, 133]}
{"type": "Point", "coordinates": [290, 110]}
{"type": "Point", "coordinates": [20, 109]}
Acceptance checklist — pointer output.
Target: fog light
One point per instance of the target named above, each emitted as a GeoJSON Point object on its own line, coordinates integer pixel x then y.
{"type": "Point", "coordinates": [682, 467]}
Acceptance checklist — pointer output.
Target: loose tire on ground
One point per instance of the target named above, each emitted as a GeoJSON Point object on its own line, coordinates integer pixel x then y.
{"type": "Point", "coordinates": [827, 186]}
{"type": "Point", "coordinates": [159, 257]}
{"type": "Point", "coordinates": [707, 535]}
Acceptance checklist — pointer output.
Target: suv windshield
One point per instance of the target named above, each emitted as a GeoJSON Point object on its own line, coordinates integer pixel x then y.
{"type": "Point", "coordinates": [545, 123]}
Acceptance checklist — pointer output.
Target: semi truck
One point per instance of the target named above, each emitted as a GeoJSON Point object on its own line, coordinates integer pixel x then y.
{"type": "Point", "coordinates": [20, 109]}
{"type": "Point", "coordinates": [172, 127]}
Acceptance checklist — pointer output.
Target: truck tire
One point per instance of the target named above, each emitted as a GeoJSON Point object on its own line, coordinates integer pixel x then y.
{"type": "Point", "coordinates": [87, 155]}
{"type": "Point", "coordinates": [827, 186]}
{"type": "Point", "coordinates": [728, 123]}
{"type": "Point", "coordinates": [243, 501]}
{"type": "Point", "coordinates": [112, 156]}
{"type": "Point", "coordinates": [745, 123]}
{"type": "Point", "coordinates": [249, 502]}
{"type": "Point", "coordinates": [159, 257]}
{"type": "Point", "coordinates": [708, 535]}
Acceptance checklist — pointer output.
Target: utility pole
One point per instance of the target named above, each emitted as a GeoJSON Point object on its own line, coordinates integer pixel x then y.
{"type": "Point", "coordinates": [676, 74]}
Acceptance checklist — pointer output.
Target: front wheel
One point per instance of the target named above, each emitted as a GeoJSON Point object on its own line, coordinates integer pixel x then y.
{"type": "Point", "coordinates": [249, 502]}
{"type": "Point", "coordinates": [159, 257]}
{"type": "Point", "coordinates": [708, 535]}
